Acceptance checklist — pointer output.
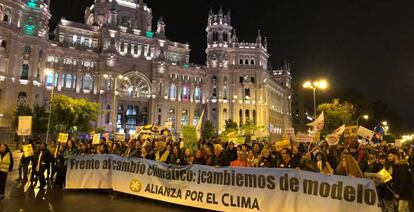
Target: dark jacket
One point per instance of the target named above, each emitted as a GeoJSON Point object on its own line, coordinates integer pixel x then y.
{"type": "Point", "coordinates": [218, 160]}
{"type": "Point", "coordinates": [402, 181]}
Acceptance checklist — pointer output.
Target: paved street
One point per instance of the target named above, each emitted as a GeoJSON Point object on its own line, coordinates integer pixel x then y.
{"type": "Point", "coordinates": [90, 200]}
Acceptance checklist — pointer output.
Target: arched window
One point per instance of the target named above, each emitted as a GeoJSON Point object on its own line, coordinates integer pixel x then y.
{"type": "Point", "coordinates": [25, 71]}
{"type": "Point", "coordinates": [185, 93]}
{"type": "Point", "coordinates": [108, 114]}
{"type": "Point", "coordinates": [240, 116]}
{"type": "Point", "coordinates": [225, 37]}
{"type": "Point", "coordinates": [254, 117]}
{"type": "Point", "coordinates": [246, 62]}
{"type": "Point", "coordinates": [251, 62]}
{"type": "Point", "coordinates": [3, 44]}
{"type": "Point", "coordinates": [241, 61]}
{"type": "Point", "coordinates": [197, 94]}
{"type": "Point", "coordinates": [87, 82]}
{"type": "Point", "coordinates": [49, 79]}
{"type": "Point", "coordinates": [215, 36]}
{"type": "Point", "coordinates": [247, 115]}
{"type": "Point", "coordinates": [184, 117]}
{"type": "Point", "coordinates": [173, 91]}
{"type": "Point", "coordinates": [7, 15]}
{"type": "Point", "coordinates": [68, 81]}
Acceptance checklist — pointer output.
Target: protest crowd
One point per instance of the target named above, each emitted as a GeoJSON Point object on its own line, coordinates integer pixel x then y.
{"type": "Point", "coordinates": [389, 166]}
{"type": "Point", "coordinates": [49, 161]}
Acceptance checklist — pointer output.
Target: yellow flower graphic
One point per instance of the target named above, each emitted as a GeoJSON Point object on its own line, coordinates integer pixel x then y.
{"type": "Point", "coordinates": [135, 185]}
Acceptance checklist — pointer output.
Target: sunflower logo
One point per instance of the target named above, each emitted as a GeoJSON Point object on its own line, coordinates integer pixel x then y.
{"type": "Point", "coordinates": [135, 185]}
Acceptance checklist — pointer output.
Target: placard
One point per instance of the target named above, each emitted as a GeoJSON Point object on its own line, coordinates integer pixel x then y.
{"type": "Point", "coordinates": [63, 137]}
{"type": "Point", "coordinates": [24, 126]}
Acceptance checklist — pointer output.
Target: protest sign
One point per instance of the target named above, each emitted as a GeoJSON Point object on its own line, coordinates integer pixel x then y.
{"type": "Point", "coordinates": [365, 133]}
{"type": "Point", "coordinates": [119, 137]}
{"type": "Point", "coordinates": [398, 143]}
{"type": "Point", "coordinates": [27, 150]}
{"type": "Point", "coordinates": [63, 137]}
{"type": "Point", "coordinates": [290, 132]}
{"type": "Point", "coordinates": [106, 136]}
{"type": "Point", "coordinates": [96, 138]}
{"type": "Point", "coordinates": [333, 138]}
{"type": "Point", "coordinates": [223, 189]}
{"type": "Point", "coordinates": [283, 144]}
{"type": "Point", "coordinates": [351, 131]}
{"type": "Point", "coordinates": [24, 127]}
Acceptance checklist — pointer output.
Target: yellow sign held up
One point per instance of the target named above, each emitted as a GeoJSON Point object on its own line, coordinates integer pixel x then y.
{"type": "Point", "coordinates": [282, 144]}
{"type": "Point", "coordinates": [96, 138]}
{"type": "Point", "coordinates": [63, 137]}
{"type": "Point", "coordinates": [28, 150]}
{"type": "Point", "coordinates": [385, 175]}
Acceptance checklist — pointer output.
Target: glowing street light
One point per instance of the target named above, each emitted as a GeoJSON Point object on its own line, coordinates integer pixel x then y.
{"type": "Point", "coordinates": [363, 116]}
{"type": "Point", "coordinates": [320, 84]}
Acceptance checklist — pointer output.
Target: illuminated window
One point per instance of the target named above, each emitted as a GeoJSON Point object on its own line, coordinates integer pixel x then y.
{"type": "Point", "coordinates": [173, 91]}
{"type": "Point", "coordinates": [68, 81]}
{"type": "Point", "coordinates": [87, 82]}
{"type": "Point", "coordinates": [25, 72]}
{"type": "Point", "coordinates": [74, 39]}
{"type": "Point", "coordinates": [197, 94]}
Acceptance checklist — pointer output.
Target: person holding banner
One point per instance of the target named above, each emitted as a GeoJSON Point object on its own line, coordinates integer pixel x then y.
{"type": "Point", "coordinates": [318, 164]}
{"type": "Point", "coordinates": [286, 161]}
{"type": "Point", "coordinates": [402, 185]}
{"type": "Point", "coordinates": [266, 159]}
{"type": "Point", "coordinates": [348, 167]}
{"type": "Point", "coordinates": [6, 165]}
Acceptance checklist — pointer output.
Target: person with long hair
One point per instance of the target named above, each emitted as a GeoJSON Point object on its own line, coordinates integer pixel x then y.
{"type": "Point", "coordinates": [348, 167]}
{"type": "Point", "coordinates": [6, 165]}
{"type": "Point", "coordinates": [318, 164]}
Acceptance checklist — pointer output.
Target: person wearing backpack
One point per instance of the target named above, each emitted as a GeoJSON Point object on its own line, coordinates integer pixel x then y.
{"type": "Point", "coordinates": [6, 165]}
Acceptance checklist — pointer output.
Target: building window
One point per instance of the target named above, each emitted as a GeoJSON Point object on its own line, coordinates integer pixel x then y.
{"type": "Point", "coordinates": [185, 93]}
{"type": "Point", "coordinates": [3, 44]}
{"type": "Point", "coordinates": [25, 72]}
{"type": "Point", "coordinates": [173, 91]}
{"type": "Point", "coordinates": [74, 39]}
{"type": "Point", "coordinates": [197, 94]}
{"type": "Point", "coordinates": [247, 115]}
{"type": "Point", "coordinates": [6, 16]}
{"type": "Point", "coordinates": [87, 82]}
{"type": "Point", "coordinates": [68, 81]}
{"type": "Point", "coordinates": [247, 93]}
{"type": "Point", "coordinates": [215, 36]}
{"type": "Point", "coordinates": [246, 62]}
{"type": "Point", "coordinates": [240, 117]}
{"type": "Point", "coordinates": [251, 62]}
{"type": "Point", "coordinates": [196, 117]}
{"type": "Point", "coordinates": [241, 61]}
{"type": "Point", "coordinates": [171, 118]}
{"type": "Point", "coordinates": [184, 117]}
{"type": "Point", "coordinates": [252, 80]}
{"type": "Point", "coordinates": [241, 79]}
{"type": "Point", "coordinates": [108, 114]}
{"type": "Point", "coordinates": [254, 117]}
{"type": "Point", "coordinates": [225, 37]}
{"type": "Point", "coordinates": [225, 114]}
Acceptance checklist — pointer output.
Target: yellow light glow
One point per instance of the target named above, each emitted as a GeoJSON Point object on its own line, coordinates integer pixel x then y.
{"type": "Point", "coordinates": [105, 76]}
{"type": "Point", "coordinates": [322, 84]}
{"type": "Point", "coordinates": [385, 123]}
{"type": "Point", "coordinates": [365, 117]}
{"type": "Point", "coordinates": [48, 71]}
{"type": "Point", "coordinates": [307, 84]}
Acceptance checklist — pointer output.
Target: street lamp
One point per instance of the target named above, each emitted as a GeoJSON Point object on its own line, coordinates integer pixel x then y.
{"type": "Point", "coordinates": [320, 84]}
{"type": "Point", "coordinates": [120, 77]}
{"type": "Point", "coordinates": [49, 71]}
{"type": "Point", "coordinates": [363, 116]}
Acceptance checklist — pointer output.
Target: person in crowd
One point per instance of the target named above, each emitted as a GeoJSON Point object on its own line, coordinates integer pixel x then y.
{"type": "Point", "coordinates": [187, 157]}
{"type": "Point", "coordinates": [266, 160]}
{"type": "Point", "coordinates": [131, 151]}
{"type": "Point", "coordinates": [162, 151]}
{"type": "Point", "coordinates": [70, 151]}
{"type": "Point", "coordinates": [145, 154]}
{"type": "Point", "coordinates": [43, 163]}
{"type": "Point", "coordinates": [199, 158]}
{"type": "Point", "coordinates": [348, 166]}
{"type": "Point", "coordinates": [230, 154]}
{"type": "Point", "coordinates": [59, 166]}
{"type": "Point", "coordinates": [83, 149]}
{"type": "Point", "coordinates": [241, 160]}
{"type": "Point", "coordinates": [6, 165]}
{"type": "Point", "coordinates": [256, 150]}
{"type": "Point", "coordinates": [218, 157]}
{"type": "Point", "coordinates": [208, 156]}
{"type": "Point", "coordinates": [402, 184]}
{"type": "Point", "coordinates": [286, 160]}
{"type": "Point", "coordinates": [175, 157]}
{"type": "Point", "coordinates": [318, 164]}
{"type": "Point", "coordinates": [24, 165]}
{"type": "Point", "coordinates": [254, 161]}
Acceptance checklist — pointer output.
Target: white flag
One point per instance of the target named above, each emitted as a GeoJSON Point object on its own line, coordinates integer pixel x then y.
{"type": "Point", "coordinates": [198, 127]}
{"type": "Point", "coordinates": [333, 138]}
{"type": "Point", "coordinates": [318, 124]}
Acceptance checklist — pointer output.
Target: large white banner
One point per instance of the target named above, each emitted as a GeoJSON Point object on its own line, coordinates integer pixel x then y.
{"type": "Point", "coordinates": [224, 189]}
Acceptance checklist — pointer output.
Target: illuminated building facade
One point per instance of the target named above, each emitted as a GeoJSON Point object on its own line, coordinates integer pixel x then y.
{"type": "Point", "coordinates": [118, 59]}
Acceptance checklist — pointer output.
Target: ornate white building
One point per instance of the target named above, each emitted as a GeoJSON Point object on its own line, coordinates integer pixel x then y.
{"type": "Point", "coordinates": [136, 74]}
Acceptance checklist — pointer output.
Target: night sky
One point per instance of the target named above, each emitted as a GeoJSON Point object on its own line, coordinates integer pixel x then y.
{"type": "Point", "coordinates": [364, 45]}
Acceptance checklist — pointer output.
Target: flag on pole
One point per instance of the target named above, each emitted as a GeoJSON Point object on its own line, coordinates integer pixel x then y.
{"type": "Point", "coordinates": [198, 127]}
{"type": "Point", "coordinates": [333, 138]}
{"type": "Point", "coordinates": [318, 123]}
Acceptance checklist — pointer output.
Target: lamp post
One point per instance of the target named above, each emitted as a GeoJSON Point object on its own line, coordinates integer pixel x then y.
{"type": "Point", "coordinates": [363, 116]}
{"type": "Point", "coordinates": [106, 76]}
{"type": "Point", "coordinates": [320, 84]}
{"type": "Point", "coordinates": [50, 71]}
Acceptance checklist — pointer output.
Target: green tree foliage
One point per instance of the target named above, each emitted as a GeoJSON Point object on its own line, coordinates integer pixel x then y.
{"type": "Point", "coordinates": [21, 110]}
{"type": "Point", "coordinates": [40, 118]}
{"type": "Point", "coordinates": [68, 114]}
{"type": "Point", "coordinates": [336, 114]}
{"type": "Point", "coordinates": [208, 131]}
{"type": "Point", "coordinates": [189, 137]}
